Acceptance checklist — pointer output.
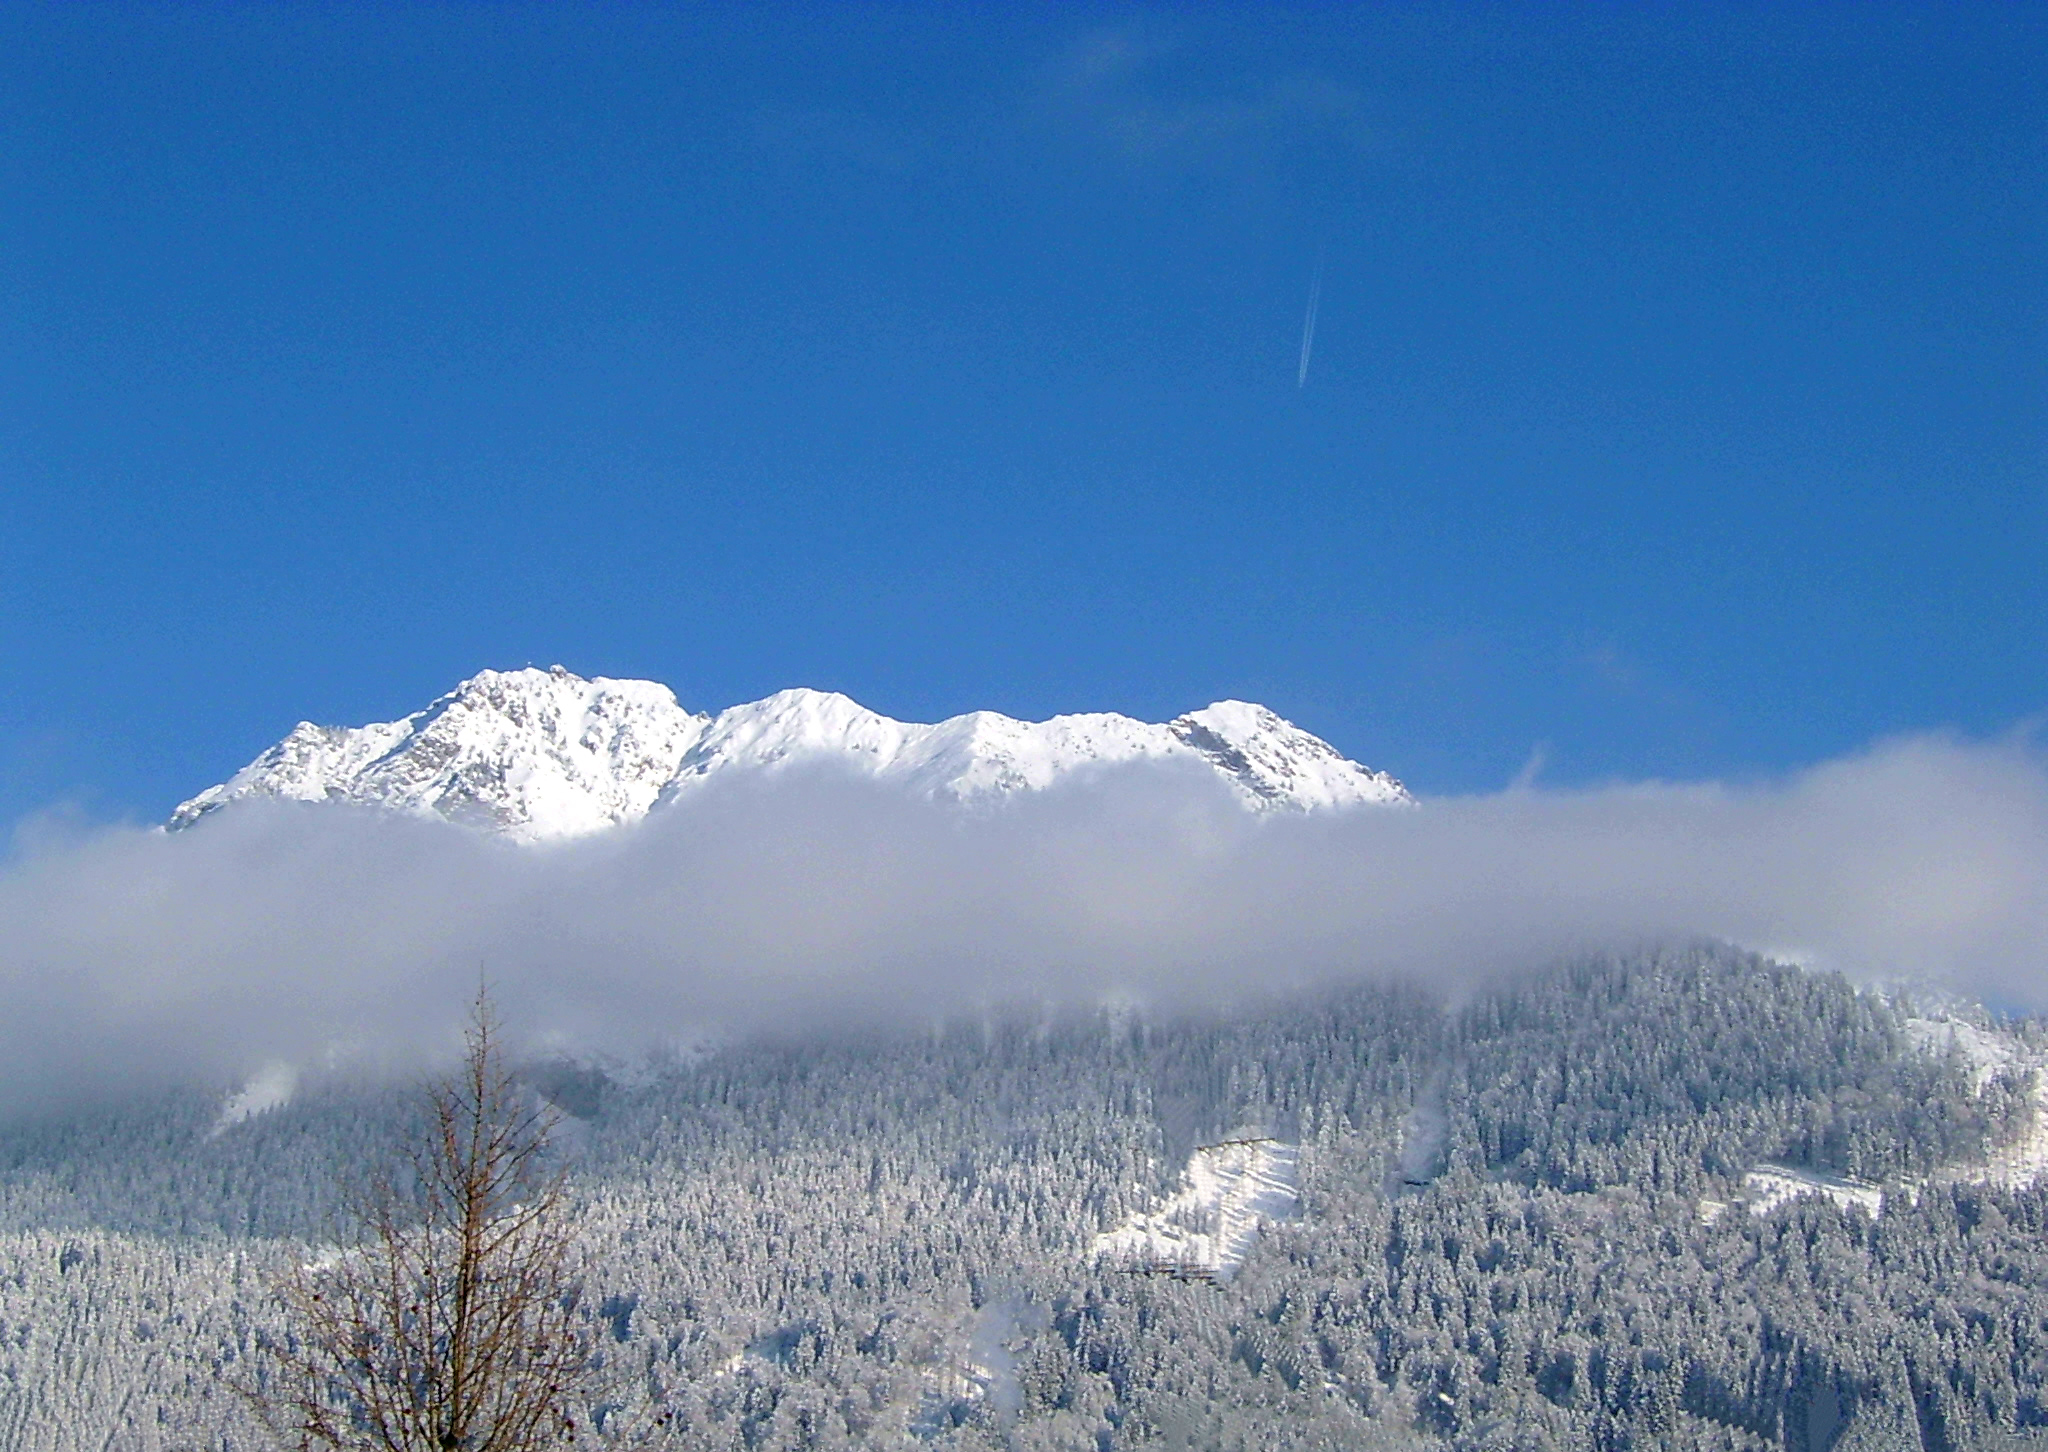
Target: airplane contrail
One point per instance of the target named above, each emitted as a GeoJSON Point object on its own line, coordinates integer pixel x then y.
{"type": "Point", "coordinates": [1308, 324]}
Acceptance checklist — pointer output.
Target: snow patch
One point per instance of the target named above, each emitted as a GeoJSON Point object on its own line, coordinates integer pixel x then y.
{"type": "Point", "coordinates": [1989, 1053]}
{"type": "Point", "coordinates": [1228, 1193]}
{"type": "Point", "coordinates": [1767, 1187]}
{"type": "Point", "coordinates": [1985, 1050]}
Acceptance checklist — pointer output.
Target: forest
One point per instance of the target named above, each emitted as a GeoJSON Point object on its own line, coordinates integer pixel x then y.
{"type": "Point", "coordinates": [1527, 1219]}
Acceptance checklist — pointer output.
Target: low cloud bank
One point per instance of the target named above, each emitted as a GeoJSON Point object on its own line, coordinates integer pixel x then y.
{"type": "Point", "coordinates": [276, 932]}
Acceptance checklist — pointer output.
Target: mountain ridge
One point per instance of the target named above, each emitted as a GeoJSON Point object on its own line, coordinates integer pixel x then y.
{"type": "Point", "coordinates": [548, 755]}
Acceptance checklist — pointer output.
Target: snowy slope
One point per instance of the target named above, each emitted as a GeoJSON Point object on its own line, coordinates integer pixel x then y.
{"type": "Point", "coordinates": [976, 755]}
{"type": "Point", "coordinates": [1988, 1052]}
{"type": "Point", "coordinates": [541, 755]}
{"type": "Point", "coordinates": [1270, 762]}
{"type": "Point", "coordinates": [533, 754]}
{"type": "Point", "coordinates": [1277, 764]}
{"type": "Point", "coordinates": [1229, 1191]}
{"type": "Point", "coordinates": [1769, 1186]}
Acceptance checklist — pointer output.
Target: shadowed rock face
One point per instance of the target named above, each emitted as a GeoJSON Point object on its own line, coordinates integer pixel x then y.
{"type": "Point", "coordinates": [544, 755]}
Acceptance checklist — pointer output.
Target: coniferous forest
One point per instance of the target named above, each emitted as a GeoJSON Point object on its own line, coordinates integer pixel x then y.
{"type": "Point", "coordinates": [1524, 1220]}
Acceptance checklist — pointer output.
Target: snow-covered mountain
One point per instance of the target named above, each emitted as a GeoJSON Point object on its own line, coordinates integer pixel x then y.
{"type": "Point", "coordinates": [543, 755]}
{"type": "Point", "coordinates": [533, 754]}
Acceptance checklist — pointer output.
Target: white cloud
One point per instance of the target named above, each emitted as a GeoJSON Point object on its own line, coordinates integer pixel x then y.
{"type": "Point", "coordinates": [271, 933]}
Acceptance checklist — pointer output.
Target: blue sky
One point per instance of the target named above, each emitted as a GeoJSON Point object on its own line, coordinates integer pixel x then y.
{"type": "Point", "coordinates": [1677, 402]}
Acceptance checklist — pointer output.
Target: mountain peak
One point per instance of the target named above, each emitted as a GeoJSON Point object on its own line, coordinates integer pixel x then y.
{"type": "Point", "coordinates": [1279, 763]}
{"type": "Point", "coordinates": [529, 753]}
{"type": "Point", "coordinates": [542, 755]}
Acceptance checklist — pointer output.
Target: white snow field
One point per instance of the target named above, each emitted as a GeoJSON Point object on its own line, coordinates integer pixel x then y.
{"type": "Point", "coordinates": [1207, 1229]}
{"type": "Point", "coordinates": [1768, 1186]}
{"type": "Point", "coordinates": [545, 755]}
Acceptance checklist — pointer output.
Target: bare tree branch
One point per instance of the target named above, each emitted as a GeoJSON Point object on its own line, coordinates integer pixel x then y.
{"type": "Point", "coordinates": [452, 1324]}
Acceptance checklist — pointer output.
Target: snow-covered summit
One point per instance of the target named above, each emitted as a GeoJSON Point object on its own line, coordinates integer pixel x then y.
{"type": "Point", "coordinates": [540, 755]}
{"type": "Point", "coordinates": [1277, 764]}
{"type": "Point", "coordinates": [533, 754]}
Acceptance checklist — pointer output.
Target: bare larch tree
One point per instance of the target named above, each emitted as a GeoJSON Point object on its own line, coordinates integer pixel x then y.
{"type": "Point", "coordinates": [452, 1324]}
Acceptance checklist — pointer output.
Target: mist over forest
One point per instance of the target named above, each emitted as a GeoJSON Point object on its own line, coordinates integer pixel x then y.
{"type": "Point", "coordinates": [1643, 1116]}
{"type": "Point", "coordinates": [283, 932]}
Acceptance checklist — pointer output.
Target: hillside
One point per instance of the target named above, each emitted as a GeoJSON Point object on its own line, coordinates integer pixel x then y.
{"type": "Point", "coordinates": [896, 1239]}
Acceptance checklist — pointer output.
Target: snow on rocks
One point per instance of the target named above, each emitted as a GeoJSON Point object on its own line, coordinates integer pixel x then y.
{"type": "Point", "coordinates": [534, 755]}
{"type": "Point", "coordinates": [1207, 1229]}
{"type": "Point", "coordinates": [546, 755]}
{"type": "Point", "coordinates": [1275, 763]}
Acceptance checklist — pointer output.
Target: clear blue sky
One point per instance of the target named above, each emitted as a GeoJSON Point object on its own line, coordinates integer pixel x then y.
{"type": "Point", "coordinates": [1677, 401]}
